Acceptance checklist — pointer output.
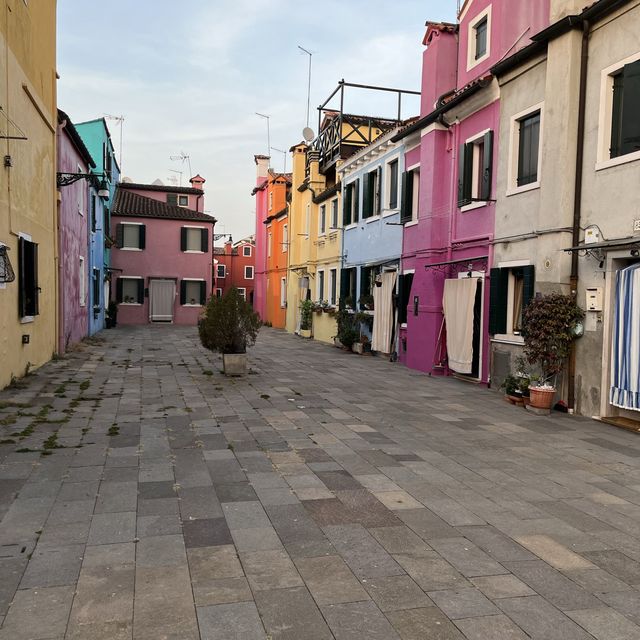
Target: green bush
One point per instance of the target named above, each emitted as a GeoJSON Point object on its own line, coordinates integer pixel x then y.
{"type": "Point", "coordinates": [229, 324]}
{"type": "Point", "coordinates": [348, 329]}
{"type": "Point", "coordinates": [306, 314]}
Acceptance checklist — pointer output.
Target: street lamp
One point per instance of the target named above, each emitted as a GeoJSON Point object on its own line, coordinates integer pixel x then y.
{"type": "Point", "coordinates": [65, 179]}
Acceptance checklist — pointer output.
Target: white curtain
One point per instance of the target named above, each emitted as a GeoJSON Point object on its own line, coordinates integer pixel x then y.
{"type": "Point", "coordinates": [458, 302]}
{"type": "Point", "coordinates": [383, 318]}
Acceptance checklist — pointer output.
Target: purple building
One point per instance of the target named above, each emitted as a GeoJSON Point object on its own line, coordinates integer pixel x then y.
{"type": "Point", "coordinates": [449, 187]}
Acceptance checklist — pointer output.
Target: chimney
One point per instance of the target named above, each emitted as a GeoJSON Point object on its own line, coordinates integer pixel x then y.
{"type": "Point", "coordinates": [197, 182]}
{"type": "Point", "coordinates": [262, 163]}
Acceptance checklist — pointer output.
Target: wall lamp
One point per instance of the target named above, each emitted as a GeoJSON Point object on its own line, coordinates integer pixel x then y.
{"type": "Point", "coordinates": [65, 179]}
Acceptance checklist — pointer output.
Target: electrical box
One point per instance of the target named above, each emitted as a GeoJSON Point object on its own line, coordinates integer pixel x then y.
{"type": "Point", "coordinates": [594, 299]}
{"type": "Point", "coordinates": [592, 235]}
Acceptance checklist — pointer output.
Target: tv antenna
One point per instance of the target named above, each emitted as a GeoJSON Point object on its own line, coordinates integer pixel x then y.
{"type": "Point", "coordinates": [284, 153]}
{"type": "Point", "coordinates": [266, 117]}
{"type": "Point", "coordinates": [310, 54]}
{"type": "Point", "coordinates": [174, 179]}
{"type": "Point", "coordinates": [120, 121]}
{"type": "Point", "coordinates": [183, 157]}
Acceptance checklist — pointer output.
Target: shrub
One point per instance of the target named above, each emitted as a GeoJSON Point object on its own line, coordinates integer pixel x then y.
{"type": "Point", "coordinates": [229, 324]}
{"type": "Point", "coordinates": [348, 331]}
{"type": "Point", "coordinates": [306, 317]}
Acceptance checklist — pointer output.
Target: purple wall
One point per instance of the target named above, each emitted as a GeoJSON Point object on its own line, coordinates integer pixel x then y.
{"type": "Point", "coordinates": [73, 213]}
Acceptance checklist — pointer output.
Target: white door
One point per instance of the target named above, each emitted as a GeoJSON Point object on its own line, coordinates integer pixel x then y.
{"type": "Point", "coordinates": [162, 294]}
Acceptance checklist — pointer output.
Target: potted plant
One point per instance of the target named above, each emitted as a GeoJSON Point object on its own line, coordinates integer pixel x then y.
{"type": "Point", "coordinates": [366, 302]}
{"type": "Point", "coordinates": [348, 332]}
{"type": "Point", "coordinates": [229, 325]}
{"type": "Point", "coordinates": [512, 391]}
{"type": "Point", "coordinates": [348, 302]}
{"type": "Point", "coordinates": [306, 318]}
{"type": "Point", "coordinates": [363, 345]}
{"type": "Point", "coordinates": [549, 328]}
{"type": "Point", "coordinates": [112, 315]}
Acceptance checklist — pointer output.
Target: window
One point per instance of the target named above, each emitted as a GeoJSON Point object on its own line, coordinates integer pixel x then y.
{"type": "Point", "coordinates": [323, 219]}
{"type": "Point", "coordinates": [351, 205]}
{"type": "Point", "coordinates": [248, 273]}
{"type": "Point", "coordinates": [130, 290]}
{"type": "Point", "coordinates": [334, 213]}
{"type": "Point", "coordinates": [96, 282]}
{"type": "Point", "coordinates": [218, 293]}
{"type": "Point", "coordinates": [106, 220]}
{"type": "Point", "coordinates": [194, 239]}
{"type": "Point", "coordinates": [405, 282]}
{"type": "Point", "coordinates": [308, 220]}
{"type": "Point", "coordinates": [321, 286]}
{"type": "Point", "coordinates": [172, 198]}
{"type": "Point", "coordinates": [392, 172]}
{"type": "Point", "coordinates": [333, 279]}
{"type": "Point", "coordinates": [410, 195]}
{"type": "Point", "coordinates": [371, 193]}
{"type": "Point", "coordinates": [283, 292]}
{"type": "Point", "coordinates": [82, 282]}
{"type": "Point", "coordinates": [108, 160]}
{"type": "Point", "coordinates": [28, 291]}
{"type": "Point", "coordinates": [271, 201]}
{"type": "Point", "coordinates": [269, 243]}
{"type": "Point", "coordinates": [183, 201]}
{"type": "Point", "coordinates": [131, 236]}
{"type": "Point", "coordinates": [474, 169]}
{"type": "Point", "coordinates": [625, 124]}
{"type": "Point", "coordinates": [243, 292]}
{"type": "Point", "coordinates": [348, 288]}
{"type": "Point", "coordinates": [480, 29]}
{"type": "Point", "coordinates": [246, 251]}
{"type": "Point", "coordinates": [193, 293]}
{"type": "Point", "coordinates": [285, 238]}
{"type": "Point", "coordinates": [479, 38]}
{"type": "Point", "coordinates": [511, 290]}
{"type": "Point", "coordinates": [528, 148]}
{"type": "Point", "coordinates": [221, 271]}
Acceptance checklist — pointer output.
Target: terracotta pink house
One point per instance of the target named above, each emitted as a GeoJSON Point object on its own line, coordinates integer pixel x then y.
{"type": "Point", "coordinates": [262, 212]}
{"type": "Point", "coordinates": [449, 185]}
{"type": "Point", "coordinates": [163, 256]}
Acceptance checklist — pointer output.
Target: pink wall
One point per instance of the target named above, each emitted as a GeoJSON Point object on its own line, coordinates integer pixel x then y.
{"type": "Point", "coordinates": [439, 66]}
{"type": "Point", "coordinates": [73, 243]}
{"type": "Point", "coordinates": [162, 258]}
{"type": "Point", "coordinates": [260, 285]}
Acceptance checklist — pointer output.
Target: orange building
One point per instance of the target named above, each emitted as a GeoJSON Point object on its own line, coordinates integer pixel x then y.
{"type": "Point", "coordinates": [277, 258]}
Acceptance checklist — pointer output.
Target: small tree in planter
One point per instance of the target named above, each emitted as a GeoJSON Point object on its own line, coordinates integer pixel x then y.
{"type": "Point", "coordinates": [548, 328]}
{"type": "Point", "coordinates": [229, 325]}
{"type": "Point", "coordinates": [306, 318]}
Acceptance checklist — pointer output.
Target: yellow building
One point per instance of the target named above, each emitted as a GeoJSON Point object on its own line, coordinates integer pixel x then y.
{"type": "Point", "coordinates": [28, 303]}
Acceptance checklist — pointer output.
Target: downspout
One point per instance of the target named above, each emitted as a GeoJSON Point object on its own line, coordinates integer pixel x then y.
{"type": "Point", "coordinates": [577, 196]}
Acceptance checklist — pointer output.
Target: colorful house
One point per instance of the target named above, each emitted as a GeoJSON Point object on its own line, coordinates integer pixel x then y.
{"type": "Point", "coordinates": [577, 144]}
{"type": "Point", "coordinates": [260, 192]}
{"type": "Point", "coordinates": [28, 225]}
{"type": "Point", "coordinates": [163, 253]}
{"type": "Point", "coordinates": [95, 134]}
{"type": "Point", "coordinates": [449, 187]}
{"type": "Point", "coordinates": [234, 266]}
{"type": "Point", "coordinates": [372, 236]}
{"type": "Point", "coordinates": [74, 212]}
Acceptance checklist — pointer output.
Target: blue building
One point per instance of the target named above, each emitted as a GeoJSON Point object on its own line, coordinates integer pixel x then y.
{"type": "Point", "coordinates": [96, 137]}
{"type": "Point", "coordinates": [372, 237]}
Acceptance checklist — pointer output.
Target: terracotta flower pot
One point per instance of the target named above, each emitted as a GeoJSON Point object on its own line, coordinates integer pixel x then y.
{"type": "Point", "coordinates": [541, 398]}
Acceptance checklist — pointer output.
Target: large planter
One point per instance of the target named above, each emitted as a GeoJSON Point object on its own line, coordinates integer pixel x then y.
{"type": "Point", "coordinates": [305, 333]}
{"type": "Point", "coordinates": [541, 398]}
{"type": "Point", "coordinates": [357, 347]}
{"type": "Point", "coordinates": [234, 364]}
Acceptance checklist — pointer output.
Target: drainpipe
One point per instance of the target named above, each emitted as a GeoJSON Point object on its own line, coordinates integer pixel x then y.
{"type": "Point", "coordinates": [577, 195]}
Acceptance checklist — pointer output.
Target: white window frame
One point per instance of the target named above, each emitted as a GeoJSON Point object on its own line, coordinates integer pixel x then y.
{"type": "Point", "coordinates": [477, 163]}
{"type": "Point", "coordinates": [186, 204]}
{"type": "Point", "coordinates": [352, 185]}
{"type": "Point", "coordinates": [319, 295]}
{"type": "Point", "coordinates": [248, 266]}
{"type": "Point", "coordinates": [322, 220]}
{"type": "Point", "coordinates": [131, 304]}
{"type": "Point", "coordinates": [510, 336]}
{"type": "Point", "coordinates": [283, 293]}
{"type": "Point", "coordinates": [388, 210]}
{"type": "Point", "coordinates": [244, 250]}
{"type": "Point", "coordinates": [131, 224]}
{"type": "Point", "coordinates": [514, 147]}
{"type": "Point", "coordinates": [415, 200]}
{"type": "Point", "coordinates": [604, 160]}
{"type": "Point", "coordinates": [471, 39]}
{"type": "Point", "coordinates": [83, 282]}
{"type": "Point", "coordinates": [218, 292]}
{"type": "Point", "coordinates": [224, 271]}
{"type": "Point", "coordinates": [243, 293]}
{"type": "Point", "coordinates": [335, 212]}
{"type": "Point", "coordinates": [187, 304]}
{"type": "Point", "coordinates": [285, 238]}
{"type": "Point", "coordinates": [193, 226]}
{"type": "Point", "coordinates": [269, 242]}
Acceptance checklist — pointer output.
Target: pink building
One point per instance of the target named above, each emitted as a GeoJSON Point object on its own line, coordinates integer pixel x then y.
{"type": "Point", "coordinates": [262, 212]}
{"type": "Point", "coordinates": [163, 256]}
{"type": "Point", "coordinates": [76, 204]}
{"type": "Point", "coordinates": [449, 187]}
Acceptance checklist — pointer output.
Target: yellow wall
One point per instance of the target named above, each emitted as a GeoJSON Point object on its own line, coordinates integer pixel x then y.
{"type": "Point", "coordinates": [28, 188]}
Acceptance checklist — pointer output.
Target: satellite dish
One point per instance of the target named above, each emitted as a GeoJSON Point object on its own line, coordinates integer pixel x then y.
{"type": "Point", "coordinates": [307, 134]}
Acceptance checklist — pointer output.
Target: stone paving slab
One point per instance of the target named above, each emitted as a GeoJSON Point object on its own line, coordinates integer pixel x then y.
{"type": "Point", "coordinates": [323, 496]}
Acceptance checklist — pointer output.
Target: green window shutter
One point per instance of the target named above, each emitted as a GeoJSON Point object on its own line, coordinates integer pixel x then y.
{"type": "Point", "coordinates": [367, 200]}
{"type": "Point", "coordinates": [203, 292]}
{"type": "Point", "coordinates": [616, 116]}
{"type": "Point", "coordinates": [356, 200]}
{"type": "Point", "coordinates": [119, 235]}
{"type": "Point", "coordinates": [630, 126]}
{"type": "Point", "coordinates": [205, 241]}
{"type": "Point", "coordinates": [141, 291]}
{"type": "Point", "coordinates": [344, 285]}
{"type": "Point", "coordinates": [402, 313]}
{"type": "Point", "coordinates": [487, 161]}
{"type": "Point", "coordinates": [119, 290]}
{"type": "Point", "coordinates": [378, 192]}
{"type": "Point", "coordinates": [407, 197]}
{"type": "Point", "coordinates": [528, 284]}
{"type": "Point", "coordinates": [183, 239]}
{"type": "Point", "coordinates": [346, 205]}
{"type": "Point", "coordinates": [498, 294]}
{"type": "Point", "coordinates": [22, 281]}
{"type": "Point", "coordinates": [462, 149]}
{"type": "Point", "coordinates": [142, 237]}
{"type": "Point", "coordinates": [36, 289]}
{"type": "Point", "coordinates": [183, 292]}
{"type": "Point", "coordinates": [172, 198]}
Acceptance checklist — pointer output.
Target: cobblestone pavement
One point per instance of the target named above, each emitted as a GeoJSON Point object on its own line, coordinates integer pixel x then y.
{"type": "Point", "coordinates": [327, 495]}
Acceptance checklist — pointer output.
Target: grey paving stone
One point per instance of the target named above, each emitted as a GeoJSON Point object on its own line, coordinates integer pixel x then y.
{"type": "Point", "coordinates": [107, 528]}
{"type": "Point", "coordinates": [245, 515]}
{"type": "Point", "coordinates": [430, 571]}
{"type": "Point", "coordinates": [604, 623]}
{"type": "Point", "coordinates": [52, 567]}
{"type": "Point", "coordinates": [161, 551]}
{"type": "Point", "coordinates": [109, 555]}
{"type": "Point", "coordinates": [270, 570]}
{"type": "Point", "coordinates": [57, 535]}
{"type": "Point", "coordinates": [426, 524]}
{"type": "Point", "coordinates": [356, 620]}
{"type": "Point", "coordinates": [463, 603]}
{"type": "Point", "coordinates": [226, 621]}
{"type": "Point", "coordinates": [291, 614]}
{"type": "Point", "coordinates": [399, 539]}
{"type": "Point", "coordinates": [495, 627]}
{"type": "Point", "coordinates": [260, 539]}
{"type": "Point", "coordinates": [502, 587]}
{"type": "Point", "coordinates": [626, 602]}
{"type": "Point", "coordinates": [330, 580]}
{"type": "Point", "coordinates": [161, 489]}
{"type": "Point", "coordinates": [466, 557]}
{"type": "Point", "coordinates": [11, 570]}
{"type": "Point", "coordinates": [425, 623]}
{"type": "Point", "coordinates": [496, 544]}
{"type": "Point", "coordinates": [206, 532]}
{"type": "Point", "coordinates": [158, 526]}
{"type": "Point", "coordinates": [236, 492]}
{"type": "Point", "coordinates": [396, 592]}
{"type": "Point", "coordinates": [617, 564]}
{"type": "Point", "coordinates": [222, 591]}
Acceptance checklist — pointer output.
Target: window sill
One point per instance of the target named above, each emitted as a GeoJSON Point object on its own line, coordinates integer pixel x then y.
{"type": "Point", "coordinates": [130, 304]}
{"type": "Point", "coordinates": [614, 162]}
{"type": "Point", "coordinates": [527, 187]}
{"type": "Point", "coordinates": [373, 218]}
{"type": "Point", "coordinates": [391, 212]}
{"type": "Point", "coordinates": [192, 305]}
{"type": "Point", "coordinates": [411, 223]}
{"type": "Point", "coordinates": [130, 249]}
{"type": "Point", "coordinates": [27, 319]}
{"type": "Point", "coordinates": [473, 205]}
{"type": "Point", "coordinates": [353, 225]}
{"type": "Point", "coordinates": [474, 62]}
{"type": "Point", "coordinates": [192, 251]}
{"type": "Point", "coordinates": [507, 338]}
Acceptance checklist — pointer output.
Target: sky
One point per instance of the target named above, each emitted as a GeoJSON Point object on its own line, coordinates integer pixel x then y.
{"type": "Point", "coordinates": [189, 77]}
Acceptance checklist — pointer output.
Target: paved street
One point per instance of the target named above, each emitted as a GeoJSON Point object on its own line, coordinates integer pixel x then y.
{"type": "Point", "coordinates": [327, 495]}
